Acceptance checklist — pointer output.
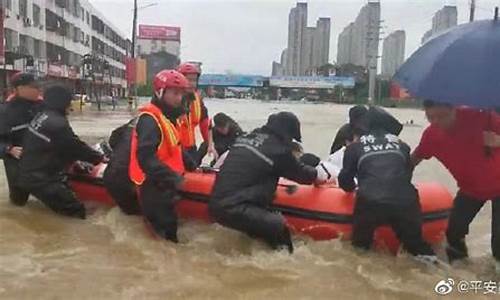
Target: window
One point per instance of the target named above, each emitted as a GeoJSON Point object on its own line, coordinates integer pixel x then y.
{"type": "Point", "coordinates": [88, 17]}
{"type": "Point", "coordinates": [23, 44]}
{"type": "Point", "coordinates": [62, 3]}
{"type": "Point", "coordinates": [76, 8]}
{"type": "Point", "coordinates": [82, 14]}
{"type": "Point", "coordinates": [10, 39]}
{"type": "Point", "coordinates": [36, 15]}
{"type": "Point", "coordinates": [8, 4]}
{"type": "Point", "coordinates": [37, 47]}
{"type": "Point", "coordinates": [76, 34]}
{"type": "Point", "coordinates": [23, 8]}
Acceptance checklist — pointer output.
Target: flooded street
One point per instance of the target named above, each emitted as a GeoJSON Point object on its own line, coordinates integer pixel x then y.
{"type": "Point", "coordinates": [110, 256]}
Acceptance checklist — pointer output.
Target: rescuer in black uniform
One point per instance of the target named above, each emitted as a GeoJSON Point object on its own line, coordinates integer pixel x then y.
{"type": "Point", "coordinates": [246, 185]}
{"type": "Point", "coordinates": [15, 115]}
{"type": "Point", "coordinates": [50, 146]}
{"type": "Point", "coordinates": [225, 131]}
{"type": "Point", "coordinates": [381, 163]}
{"type": "Point", "coordinates": [116, 178]}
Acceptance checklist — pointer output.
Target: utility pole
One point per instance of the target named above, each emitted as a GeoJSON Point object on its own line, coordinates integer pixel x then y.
{"type": "Point", "coordinates": [133, 87]}
{"type": "Point", "coordinates": [134, 29]}
{"type": "Point", "coordinates": [472, 10]}
{"type": "Point", "coordinates": [373, 39]}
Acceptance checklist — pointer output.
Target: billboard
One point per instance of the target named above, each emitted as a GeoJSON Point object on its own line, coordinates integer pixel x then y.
{"type": "Point", "coordinates": [155, 32]}
{"type": "Point", "coordinates": [141, 71]}
{"type": "Point", "coordinates": [311, 82]}
{"type": "Point", "coordinates": [130, 70]}
{"type": "Point", "coordinates": [231, 80]}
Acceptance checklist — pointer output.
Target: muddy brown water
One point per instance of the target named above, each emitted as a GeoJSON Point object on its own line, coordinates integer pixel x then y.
{"type": "Point", "coordinates": [109, 255]}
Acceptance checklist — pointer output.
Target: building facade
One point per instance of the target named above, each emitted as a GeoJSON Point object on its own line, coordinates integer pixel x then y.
{"type": "Point", "coordinates": [321, 42]}
{"type": "Point", "coordinates": [159, 46]}
{"type": "Point", "coordinates": [344, 45]}
{"type": "Point", "coordinates": [444, 19]}
{"type": "Point", "coordinates": [297, 23]}
{"type": "Point", "coordinates": [51, 37]}
{"type": "Point", "coordinates": [358, 43]}
{"type": "Point", "coordinates": [393, 54]}
{"type": "Point", "coordinates": [308, 47]}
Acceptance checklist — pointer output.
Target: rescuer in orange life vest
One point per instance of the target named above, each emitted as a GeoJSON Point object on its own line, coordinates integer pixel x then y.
{"type": "Point", "coordinates": [156, 160]}
{"type": "Point", "coordinates": [196, 115]}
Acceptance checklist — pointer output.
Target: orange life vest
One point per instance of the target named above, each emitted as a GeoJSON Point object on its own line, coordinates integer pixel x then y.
{"type": "Point", "coordinates": [188, 122]}
{"type": "Point", "coordinates": [169, 151]}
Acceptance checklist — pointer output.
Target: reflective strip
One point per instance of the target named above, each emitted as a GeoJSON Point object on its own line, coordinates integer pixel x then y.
{"type": "Point", "coordinates": [174, 141]}
{"type": "Point", "coordinates": [197, 108]}
{"type": "Point", "coordinates": [19, 127]}
{"type": "Point", "coordinates": [38, 134]}
{"type": "Point", "coordinates": [256, 152]}
{"type": "Point", "coordinates": [380, 153]}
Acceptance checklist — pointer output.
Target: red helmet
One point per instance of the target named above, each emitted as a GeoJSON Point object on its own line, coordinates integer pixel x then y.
{"type": "Point", "coordinates": [168, 79]}
{"type": "Point", "coordinates": [189, 68]}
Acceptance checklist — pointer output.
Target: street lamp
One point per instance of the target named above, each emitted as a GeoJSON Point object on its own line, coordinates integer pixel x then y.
{"type": "Point", "coordinates": [133, 88]}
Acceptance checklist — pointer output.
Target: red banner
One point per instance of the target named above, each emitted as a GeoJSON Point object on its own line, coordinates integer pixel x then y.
{"type": "Point", "coordinates": [130, 70]}
{"type": "Point", "coordinates": [154, 32]}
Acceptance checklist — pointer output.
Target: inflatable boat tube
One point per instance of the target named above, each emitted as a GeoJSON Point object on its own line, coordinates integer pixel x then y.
{"type": "Point", "coordinates": [322, 213]}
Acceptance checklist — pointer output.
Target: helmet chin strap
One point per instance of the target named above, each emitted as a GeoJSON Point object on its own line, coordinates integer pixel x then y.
{"type": "Point", "coordinates": [159, 94]}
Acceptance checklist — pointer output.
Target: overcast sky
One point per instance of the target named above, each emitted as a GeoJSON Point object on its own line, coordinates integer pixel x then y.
{"type": "Point", "coordinates": [245, 36]}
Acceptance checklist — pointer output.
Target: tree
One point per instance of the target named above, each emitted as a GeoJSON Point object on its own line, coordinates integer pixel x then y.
{"type": "Point", "coordinates": [326, 70]}
{"type": "Point", "coordinates": [145, 90]}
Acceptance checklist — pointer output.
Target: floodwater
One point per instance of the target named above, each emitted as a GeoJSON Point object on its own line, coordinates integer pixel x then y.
{"type": "Point", "coordinates": [110, 256]}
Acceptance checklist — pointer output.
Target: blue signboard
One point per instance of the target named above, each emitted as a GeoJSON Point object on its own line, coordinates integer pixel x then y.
{"type": "Point", "coordinates": [312, 82]}
{"type": "Point", "coordinates": [231, 80]}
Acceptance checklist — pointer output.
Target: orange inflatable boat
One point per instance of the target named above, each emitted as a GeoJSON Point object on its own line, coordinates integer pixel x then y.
{"type": "Point", "coordinates": [322, 213]}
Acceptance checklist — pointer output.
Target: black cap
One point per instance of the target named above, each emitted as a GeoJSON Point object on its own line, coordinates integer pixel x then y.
{"type": "Point", "coordinates": [310, 159]}
{"type": "Point", "coordinates": [356, 113]}
{"type": "Point", "coordinates": [21, 79]}
{"type": "Point", "coordinates": [286, 125]}
{"type": "Point", "coordinates": [345, 133]}
{"type": "Point", "coordinates": [380, 119]}
{"type": "Point", "coordinates": [221, 120]}
{"type": "Point", "coordinates": [57, 97]}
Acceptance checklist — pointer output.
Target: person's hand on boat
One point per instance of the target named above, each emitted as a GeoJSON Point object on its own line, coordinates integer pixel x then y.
{"type": "Point", "coordinates": [491, 139]}
{"type": "Point", "coordinates": [81, 167]}
{"type": "Point", "coordinates": [212, 152]}
{"type": "Point", "coordinates": [15, 152]}
{"type": "Point", "coordinates": [325, 175]}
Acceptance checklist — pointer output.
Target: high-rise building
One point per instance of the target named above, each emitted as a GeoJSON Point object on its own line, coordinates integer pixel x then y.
{"type": "Point", "coordinates": [306, 60]}
{"type": "Point", "coordinates": [284, 59]}
{"type": "Point", "coordinates": [358, 43]}
{"type": "Point", "coordinates": [321, 42]}
{"type": "Point", "coordinates": [393, 52]}
{"type": "Point", "coordinates": [297, 23]}
{"type": "Point", "coordinates": [277, 69]}
{"type": "Point", "coordinates": [344, 45]}
{"type": "Point", "coordinates": [308, 47]}
{"type": "Point", "coordinates": [444, 19]}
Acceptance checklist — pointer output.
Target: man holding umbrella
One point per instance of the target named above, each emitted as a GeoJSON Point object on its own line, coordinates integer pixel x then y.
{"type": "Point", "coordinates": [458, 71]}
